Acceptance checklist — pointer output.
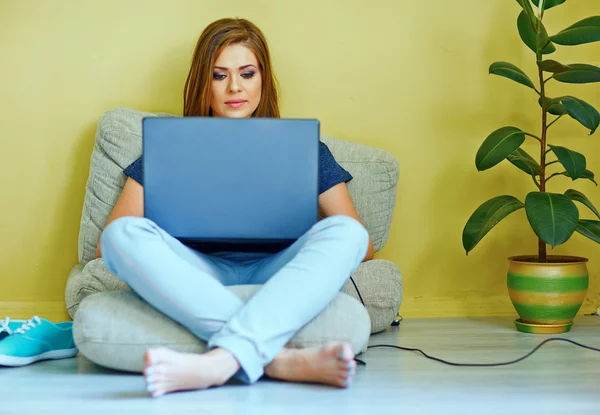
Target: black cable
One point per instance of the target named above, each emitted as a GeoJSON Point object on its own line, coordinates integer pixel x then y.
{"type": "Point", "coordinates": [358, 361]}
{"type": "Point", "coordinates": [358, 292]}
{"type": "Point", "coordinates": [486, 364]}
{"type": "Point", "coordinates": [398, 319]}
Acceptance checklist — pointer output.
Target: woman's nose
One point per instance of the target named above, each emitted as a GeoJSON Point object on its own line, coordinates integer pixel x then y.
{"type": "Point", "coordinates": [234, 85]}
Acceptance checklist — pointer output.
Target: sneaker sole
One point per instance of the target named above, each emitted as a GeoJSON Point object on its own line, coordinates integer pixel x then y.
{"type": "Point", "coordinates": [6, 360]}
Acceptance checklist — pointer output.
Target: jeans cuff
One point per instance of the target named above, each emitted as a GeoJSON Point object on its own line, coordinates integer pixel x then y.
{"type": "Point", "coordinates": [244, 351]}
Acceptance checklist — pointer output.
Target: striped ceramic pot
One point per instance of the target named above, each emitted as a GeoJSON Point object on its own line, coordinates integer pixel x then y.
{"type": "Point", "coordinates": [547, 293]}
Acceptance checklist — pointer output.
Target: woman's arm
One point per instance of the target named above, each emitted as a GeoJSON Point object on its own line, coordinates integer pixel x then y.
{"type": "Point", "coordinates": [130, 203]}
{"type": "Point", "coordinates": [337, 201]}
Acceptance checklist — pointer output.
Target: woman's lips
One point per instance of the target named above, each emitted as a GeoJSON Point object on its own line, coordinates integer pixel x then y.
{"type": "Point", "coordinates": [235, 103]}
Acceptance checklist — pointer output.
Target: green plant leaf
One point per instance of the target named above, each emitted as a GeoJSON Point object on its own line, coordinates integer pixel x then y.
{"type": "Point", "coordinates": [574, 162]}
{"type": "Point", "coordinates": [553, 217]}
{"type": "Point", "coordinates": [548, 4]}
{"type": "Point", "coordinates": [527, 9]}
{"type": "Point", "coordinates": [589, 228]}
{"type": "Point", "coordinates": [486, 217]}
{"type": "Point", "coordinates": [498, 146]}
{"type": "Point", "coordinates": [529, 35]}
{"type": "Point", "coordinates": [553, 106]}
{"type": "Point", "coordinates": [579, 73]}
{"type": "Point", "coordinates": [521, 159]}
{"type": "Point", "coordinates": [510, 71]}
{"type": "Point", "coordinates": [589, 176]}
{"type": "Point", "coordinates": [585, 31]}
{"type": "Point", "coordinates": [581, 198]}
{"type": "Point", "coordinates": [583, 112]}
{"type": "Point", "coordinates": [553, 66]}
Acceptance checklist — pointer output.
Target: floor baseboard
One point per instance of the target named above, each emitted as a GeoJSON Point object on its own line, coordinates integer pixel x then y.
{"type": "Point", "coordinates": [412, 307]}
{"type": "Point", "coordinates": [469, 306]}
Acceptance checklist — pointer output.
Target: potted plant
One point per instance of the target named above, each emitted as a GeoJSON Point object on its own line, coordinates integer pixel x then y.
{"type": "Point", "coordinates": [546, 290]}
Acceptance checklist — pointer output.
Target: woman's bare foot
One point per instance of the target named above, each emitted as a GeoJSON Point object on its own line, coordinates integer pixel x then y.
{"type": "Point", "coordinates": [331, 365]}
{"type": "Point", "coordinates": [167, 371]}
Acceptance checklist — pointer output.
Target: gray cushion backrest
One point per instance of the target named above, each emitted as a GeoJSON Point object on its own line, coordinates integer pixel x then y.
{"type": "Point", "coordinates": [119, 143]}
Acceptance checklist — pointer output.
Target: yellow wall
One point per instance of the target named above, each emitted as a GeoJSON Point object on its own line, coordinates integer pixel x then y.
{"type": "Point", "coordinates": [409, 77]}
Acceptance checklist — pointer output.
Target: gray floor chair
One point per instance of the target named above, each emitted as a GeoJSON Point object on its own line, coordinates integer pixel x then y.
{"type": "Point", "coordinates": [113, 326]}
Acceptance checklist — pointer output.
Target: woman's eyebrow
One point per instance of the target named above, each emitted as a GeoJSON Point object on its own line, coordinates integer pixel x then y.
{"type": "Point", "coordinates": [240, 68]}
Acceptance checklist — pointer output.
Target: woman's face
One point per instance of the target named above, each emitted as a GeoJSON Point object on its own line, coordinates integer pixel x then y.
{"type": "Point", "coordinates": [236, 83]}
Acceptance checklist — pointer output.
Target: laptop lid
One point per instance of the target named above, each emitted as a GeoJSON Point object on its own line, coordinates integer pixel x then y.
{"type": "Point", "coordinates": [252, 180]}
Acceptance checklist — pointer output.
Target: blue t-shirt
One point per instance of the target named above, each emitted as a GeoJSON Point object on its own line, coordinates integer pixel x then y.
{"type": "Point", "coordinates": [330, 172]}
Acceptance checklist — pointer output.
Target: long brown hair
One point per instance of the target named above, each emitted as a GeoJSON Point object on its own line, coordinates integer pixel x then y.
{"type": "Point", "coordinates": [216, 36]}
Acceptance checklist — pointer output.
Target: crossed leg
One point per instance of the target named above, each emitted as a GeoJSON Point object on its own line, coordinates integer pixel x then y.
{"type": "Point", "coordinates": [245, 340]}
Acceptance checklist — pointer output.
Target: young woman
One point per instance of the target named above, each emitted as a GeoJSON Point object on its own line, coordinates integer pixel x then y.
{"type": "Point", "coordinates": [231, 76]}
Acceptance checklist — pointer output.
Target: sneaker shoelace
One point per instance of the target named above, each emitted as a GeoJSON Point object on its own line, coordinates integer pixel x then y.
{"type": "Point", "coordinates": [4, 325]}
{"type": "Point", "coordinates": [28, 325]}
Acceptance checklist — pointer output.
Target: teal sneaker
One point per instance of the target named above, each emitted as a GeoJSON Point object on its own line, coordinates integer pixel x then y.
{"type": "Point", "coordinates": [37, 339]}
{"type": "Point", "coordinates": [7, 326]}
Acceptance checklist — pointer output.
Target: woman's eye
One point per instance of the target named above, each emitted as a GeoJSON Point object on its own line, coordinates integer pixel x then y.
{"type": "Point", "coordinates": [248, 75]}
{"type": "Point", "coordinates": [218, 76]}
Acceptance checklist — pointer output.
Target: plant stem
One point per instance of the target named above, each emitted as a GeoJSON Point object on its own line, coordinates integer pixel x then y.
{"type": "Point", "coordinates": [555, 174]}
{"type": "Point", "coordinates": [534, 136]}
{"type": "Point", "coordinates": [540, 57]}
{"type": "Point", "coordinates": [535, 182]}
{"type": "Point", "coordinates": [547, 164]}
{"type": "Point", "coordinates": [547, 43]}
{"type": "Point", "coordinates": [557, 118]}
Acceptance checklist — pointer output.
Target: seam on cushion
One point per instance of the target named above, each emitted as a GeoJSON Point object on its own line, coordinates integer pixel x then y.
{"type": "Point", "coordinates": [93, 187]}
{"type": "Point", "coordinates": [84, 242]}
{"type": "Point", "coordinates": [390, 215]}
{"type": "Point", "coordinates": [377, 302]}
{"type": "Point", "coordinates": [82, 259]}
{"type": "Point", "coordinates": [113, 129]}
{"type": "Point", "coordinates": [83, 289]}
{"type": "Point", "coordinates": [93, 207]}
{"type": "Point", "coordinates": [108, 130]}
{"type": "Point", "coordinates": [385, 163]}
{"type": "Point", "coordinates": [103, 151]}
{"type": "Point", "coordinates": [388, 172]}
{"type": "Point", "coordinates": [105, 203]}
{"type": "Point", "coordinates": [86, 223]}
{"type": "Point", "coordinates": [93, 204]}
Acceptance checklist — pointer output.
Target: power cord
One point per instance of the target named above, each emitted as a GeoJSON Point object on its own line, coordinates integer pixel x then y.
{"type": "Point", "coordinates": [484, 364]}
{"type": "Point", "coordinates": [358, 292]}
{"type": "Point", "coordinates": [399, 318]}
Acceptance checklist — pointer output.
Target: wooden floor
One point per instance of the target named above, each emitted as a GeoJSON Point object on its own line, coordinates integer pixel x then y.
{"type": "Point", "coordinates": [559, 379]}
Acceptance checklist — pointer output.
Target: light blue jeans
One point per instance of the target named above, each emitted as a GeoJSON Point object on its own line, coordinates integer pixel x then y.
{"type": "Point", "coordinates": [189, 286]}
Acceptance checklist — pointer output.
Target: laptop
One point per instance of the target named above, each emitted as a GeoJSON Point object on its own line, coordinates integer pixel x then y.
{"type": "Point", "coordinates": [225, 184]}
